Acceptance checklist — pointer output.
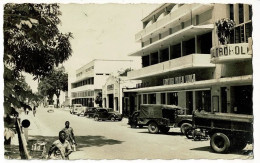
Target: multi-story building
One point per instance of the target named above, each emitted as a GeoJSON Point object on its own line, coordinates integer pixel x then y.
{"type": "Point", "coordinates": [184, 64]}
{"type": "Point", "coordinates": [91, 77]}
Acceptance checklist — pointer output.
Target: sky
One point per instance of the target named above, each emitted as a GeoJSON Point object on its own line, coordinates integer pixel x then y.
{"type": "Point", "coordinates": [101, 31]}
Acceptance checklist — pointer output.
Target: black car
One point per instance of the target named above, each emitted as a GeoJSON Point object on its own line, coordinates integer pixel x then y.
{"type": "Point", "coordinates": [132, 120]}
{"type": "Point", "coordinates": [90, 112]}
{"type": "Point", "coordinates": [104, 114]}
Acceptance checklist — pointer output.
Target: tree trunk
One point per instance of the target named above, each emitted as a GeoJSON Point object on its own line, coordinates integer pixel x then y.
{"type": "Point", "coordinates": [58, 98]}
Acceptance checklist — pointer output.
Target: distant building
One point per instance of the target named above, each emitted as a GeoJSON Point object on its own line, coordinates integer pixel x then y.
{"type": "Point", "coordinates": [112, 92]}
{"type": "Point", "coordinates": [184, 64]}
{"type": "Point", "coordinates": [90, 78]}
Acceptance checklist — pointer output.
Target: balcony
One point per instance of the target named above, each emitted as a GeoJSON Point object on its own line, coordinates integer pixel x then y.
{"type": "Point", "coordinates": [83, 88]}
{"type": "Point", "coordinates": [183, 13]}
{"type": "Point", "coordinates": [187, 62]}
{"type": "Point", "coordinates": [176, 37]}
{"type": "Point", "coordinates": [231, 52]}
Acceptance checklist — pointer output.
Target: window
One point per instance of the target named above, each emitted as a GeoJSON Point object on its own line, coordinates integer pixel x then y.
{"type": "Point", "coordinates": [241, 13]}
{"type": "Point", "coordinates": [152, 98]}
{"type": "Point", "coordinates": [250, 12]}
{"type": "Point", "coordinates": [163, 98]}
{"type": "Point", "coordinates": [154, 58]}
{"type": "Point", "coordinates": [164, 55]}
{"type": "Point", "coordinates": [144, 98]}
{"type": "Point", "coordinates": [172, 98]}
{"type": "Point", "coordinates": [145, 61]}
{"type": "Point", "coordinates": [175, 51]}
{"type": "Point", "coordinates": [189, 47]}
{"type": "Point", "coordinates": [231, 11]}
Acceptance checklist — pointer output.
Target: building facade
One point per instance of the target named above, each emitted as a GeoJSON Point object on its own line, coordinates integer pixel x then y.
{"type": "Point", "coordinates": [112, 92]}
{"type": "Point", "coordinates": [90, 78]}
{"type": "Point", "coordinates": [184, 64]}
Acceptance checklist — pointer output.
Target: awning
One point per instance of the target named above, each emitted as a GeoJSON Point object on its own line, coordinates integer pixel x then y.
{"type": "Point", "coordinates": [184, 34]}
{"type": "Point", "coordinates": [239, 80]}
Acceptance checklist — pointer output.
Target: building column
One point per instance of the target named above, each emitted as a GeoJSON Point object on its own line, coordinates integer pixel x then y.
{"type": "Point", "coordinates": [229, 100]}
{"type": "Point", "coordinates": [196, 44]}
{"type": "Point", "coordinates": [236, 13]}
{"type": "Point", "coordinates": [194, 100]}
{"type": "Point", "coordinates": [246, 12]}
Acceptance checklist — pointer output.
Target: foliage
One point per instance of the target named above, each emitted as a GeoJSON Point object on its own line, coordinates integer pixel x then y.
{"type": "Point", "coordinates": [32, 44]}
{"type": "Point", "coordinates": [54, 83]}
{"type": "Point", "coordinates": [224, 27]}
{"type": "Point", "coordinates": [98, 99]}
{"type": "Point", "coordinates": [124, 72]}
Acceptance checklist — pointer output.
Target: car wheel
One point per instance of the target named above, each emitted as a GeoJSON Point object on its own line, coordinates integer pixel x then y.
{"type": "Point", "coordinates": [220, 142]}
{"type": "Point", "coordinates": [96, 118]}
{"type": "Point", "coordinates": [112, 119]}
{"type": "Point", "coordinates": [153, 128]}
{"type": "Point", "coordinates": [184, 127]}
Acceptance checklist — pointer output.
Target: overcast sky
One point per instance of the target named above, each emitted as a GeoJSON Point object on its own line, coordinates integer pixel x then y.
{"type": "Point", "coordinates": [101, 31]}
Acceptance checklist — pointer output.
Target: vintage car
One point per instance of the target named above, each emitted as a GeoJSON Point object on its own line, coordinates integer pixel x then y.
{"type": "Point", "coordinates": [90, 111]}
{"type": "Point", "coordinates": [75, 107]}
{"type": "Point", "coordinates": [103, 114]}
{"type": "Point", "coordinates": [160, 118]}
{"type": "Point", "coordinates": [132, 120]}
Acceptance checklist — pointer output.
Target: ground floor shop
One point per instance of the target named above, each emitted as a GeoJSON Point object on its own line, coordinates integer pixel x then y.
{"type": "Point", "coordinates": [86, 98]}
{"type": "Point", "coordinates": [225, 95]}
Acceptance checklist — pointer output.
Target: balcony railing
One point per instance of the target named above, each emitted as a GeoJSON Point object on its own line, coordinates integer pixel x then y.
{"type": "Point", "coordinates": [183, 12]}
{"type": "Point", "coordinates": [186, 62]}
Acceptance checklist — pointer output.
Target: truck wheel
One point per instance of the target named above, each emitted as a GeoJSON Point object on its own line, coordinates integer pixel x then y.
{"type": "Point", "coordinates": [220, 143]}
{"type": "Point", "coordinates": [153, 128]}
{"type": "Point", "coordinates": [96, 118]}
{"type": "Point", "coordinates": [189, 133]}
{"type": "Point", "coordinates": [165, 130]}
{"type": "Point", "coordinates": [184, 127]}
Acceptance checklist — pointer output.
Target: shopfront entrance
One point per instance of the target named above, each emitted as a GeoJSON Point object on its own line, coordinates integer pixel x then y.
{"type": "Point", "coordinates": [111, 101]}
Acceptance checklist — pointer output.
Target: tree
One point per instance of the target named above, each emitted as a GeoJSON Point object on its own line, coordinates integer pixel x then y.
{"type": "Point", "coordinates": [224, 27]}
{"type": "Point", "coordinates": [32, 44]}
{"type": "Point", "coordinates": [54, 83]}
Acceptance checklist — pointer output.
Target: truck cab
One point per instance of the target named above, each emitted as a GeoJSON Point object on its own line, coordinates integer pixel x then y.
{"type": "Point", "coordinates": [160, 118]}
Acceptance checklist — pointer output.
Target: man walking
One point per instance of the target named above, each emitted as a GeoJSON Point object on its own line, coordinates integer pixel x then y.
{"type": "Point", "coordinates": [60, 149]}
{"type": "Point", "coordinates": [70, 134]}
{"type": "Point", "coordinates": [34, 110]}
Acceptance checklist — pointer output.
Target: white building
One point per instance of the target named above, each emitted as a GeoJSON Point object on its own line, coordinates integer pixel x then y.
{"type": "Point", "coordinates": [112, 92]}
{"type": "Point", "coordinates": [184, 64]}
{"type": "Point", "coordinates": [90, 78]}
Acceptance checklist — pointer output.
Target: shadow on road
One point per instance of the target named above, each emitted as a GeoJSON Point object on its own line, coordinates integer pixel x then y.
{"type": "Point", "coordinates": [82, 141]}
{"type": "Point", "coordinates": [208, 148]}
{"type": "Point", "coordinates": [169, 133]}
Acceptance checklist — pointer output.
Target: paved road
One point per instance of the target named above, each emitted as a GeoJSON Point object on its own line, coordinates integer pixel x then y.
{"type": "Point", "coordinates": [116, 140]}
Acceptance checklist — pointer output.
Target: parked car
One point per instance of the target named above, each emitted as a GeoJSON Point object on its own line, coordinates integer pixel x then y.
{"type": "Point", "coordinates": [159, 118]}
{"type": "Point", "coordinates": [104, 114]}
{"type": "Point", "coordinates": [81, 111]}
{"type": "Point", "coordinates": [50, 108]}
{"type": "Point", "coordinates": [132, 120]}
{"type": "Point", "coordinates": [75, 107]}
{"type": "Point", "coordinates": [90, 111]}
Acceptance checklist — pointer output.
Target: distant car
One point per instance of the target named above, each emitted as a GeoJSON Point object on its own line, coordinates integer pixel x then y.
{"type": "Point", "coordinates": [74, 109]}
{"type": "Point", "coordinates": [50, 108]}
{"type": "Point", "coordinates": [90, 111]}
{"type": "Point", "coordinates": [104, 114]}
{"type": "Point", "coordinates": [132, 120]}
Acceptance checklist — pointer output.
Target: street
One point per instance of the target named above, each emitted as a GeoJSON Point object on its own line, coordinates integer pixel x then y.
{"type": "Point", "coordinates": [116, 140]}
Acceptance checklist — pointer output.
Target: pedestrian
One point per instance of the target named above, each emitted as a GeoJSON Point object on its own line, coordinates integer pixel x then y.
{"type": "Point", "coordinates": [70, 135]}
{"type": "Point", "coordinates": [60, 149]}
{"type": "Point", "coordinates": [34, 110]}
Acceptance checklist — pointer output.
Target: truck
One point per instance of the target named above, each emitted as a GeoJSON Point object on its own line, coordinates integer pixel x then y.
{"type": "Point", "coordinates": [160, 118]}
{"type": "Point", "coordinates": [227, 131]}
